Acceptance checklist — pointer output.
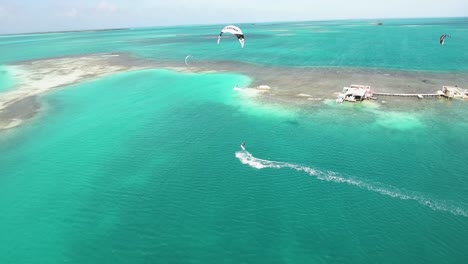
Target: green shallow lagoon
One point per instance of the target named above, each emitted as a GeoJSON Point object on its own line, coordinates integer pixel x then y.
{"type": "Point", "coordinates": [145, 167]}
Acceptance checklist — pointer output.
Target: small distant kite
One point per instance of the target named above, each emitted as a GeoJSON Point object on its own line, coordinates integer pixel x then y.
{"type": "Point", "coordinates": [186, 59]}
{"type": "Point", "coordinates": [442, 39]}
{"type": "Point", "coordinates": [235, 31]}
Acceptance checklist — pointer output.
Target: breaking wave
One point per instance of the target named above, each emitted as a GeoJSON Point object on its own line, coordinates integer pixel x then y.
{"type": "Point", "coordinates": [247, 158]}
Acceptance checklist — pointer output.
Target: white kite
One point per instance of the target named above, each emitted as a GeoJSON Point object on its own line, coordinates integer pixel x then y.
{"type": "Point", "coordinates": [442, 39]}
{"type": "Point", "coordinates": [235, 31]}
{"type": "Point", "coordinates": [186, 58]}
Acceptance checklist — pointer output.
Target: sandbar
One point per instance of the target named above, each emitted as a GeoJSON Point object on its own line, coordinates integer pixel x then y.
{"type": "Point", "coordinates": [34, 78]}
{"type": "Point", "coordinates": [296, 86]}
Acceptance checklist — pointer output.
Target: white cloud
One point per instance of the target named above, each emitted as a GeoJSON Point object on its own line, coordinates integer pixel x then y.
{"type": "Point", "coordinates": [104, 6]}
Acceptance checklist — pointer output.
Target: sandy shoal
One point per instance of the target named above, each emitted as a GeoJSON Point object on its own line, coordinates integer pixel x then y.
{"type": "Point", "coordinates": [301, 86]}
{"type": "Point", "coordinates": [35, 78]}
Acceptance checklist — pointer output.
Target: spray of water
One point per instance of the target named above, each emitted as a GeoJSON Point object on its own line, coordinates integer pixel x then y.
{"type": "Point", "coordinates": [247, 158]}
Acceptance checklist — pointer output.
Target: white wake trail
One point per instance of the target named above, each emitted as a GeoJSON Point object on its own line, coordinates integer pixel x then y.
{"type": "Point", "coordinates": [247, 158]}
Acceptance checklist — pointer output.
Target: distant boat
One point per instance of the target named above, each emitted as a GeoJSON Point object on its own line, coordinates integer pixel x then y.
{"type": "Point", "coordinates": [379, 23]}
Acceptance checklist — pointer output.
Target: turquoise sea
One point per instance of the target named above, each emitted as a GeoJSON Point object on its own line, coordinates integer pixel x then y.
{"type": "Point", "coordinates": [6, 79]}
{"type": "Point", "coordinates": [145, 166]}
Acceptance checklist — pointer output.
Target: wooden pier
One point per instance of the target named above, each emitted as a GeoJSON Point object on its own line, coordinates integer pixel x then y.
{"type": "Point", "coordinates": [358, 93]}
{"type": "Point", "coordinates": [407, 95]}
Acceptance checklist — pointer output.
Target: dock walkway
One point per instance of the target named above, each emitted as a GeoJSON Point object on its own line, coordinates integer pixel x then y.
{"type": "Point", "coordinates": [407, 95]}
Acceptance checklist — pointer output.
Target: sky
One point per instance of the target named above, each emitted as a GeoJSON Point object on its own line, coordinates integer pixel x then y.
{"type": "Point", "coordinates": [22, 16]}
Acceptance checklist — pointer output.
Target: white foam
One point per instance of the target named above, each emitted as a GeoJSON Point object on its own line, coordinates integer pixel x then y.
{"type": "Point", "coordinates": [247, 158]}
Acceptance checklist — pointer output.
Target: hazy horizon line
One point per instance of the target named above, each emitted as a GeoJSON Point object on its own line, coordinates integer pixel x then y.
{"type": "Point", "coordinates": [220, 23]}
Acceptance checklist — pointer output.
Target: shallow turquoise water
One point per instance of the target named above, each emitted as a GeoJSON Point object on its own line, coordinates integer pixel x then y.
{"type": "Point", "coordinates": [6, 79]}
{"type": "Point", "coordinates": [145, 167]}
